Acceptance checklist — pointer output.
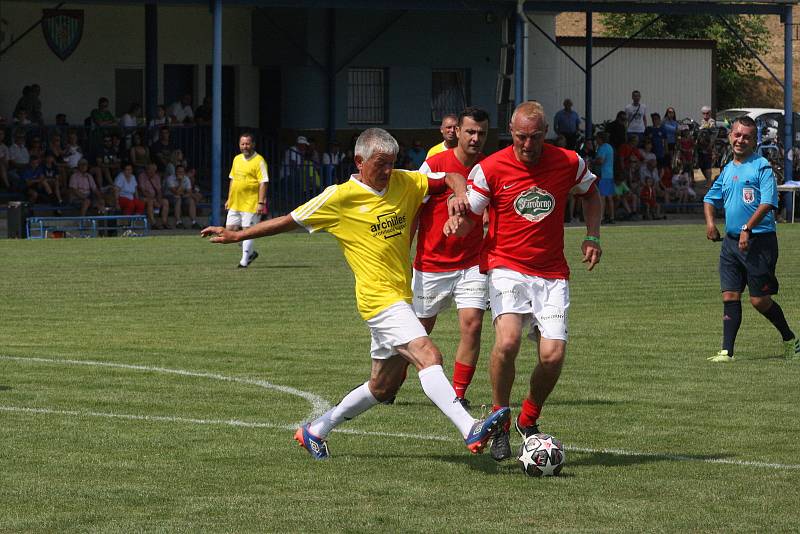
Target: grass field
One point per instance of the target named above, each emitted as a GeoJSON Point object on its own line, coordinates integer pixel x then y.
{"type": "Point", "coordinates": [148, 386]}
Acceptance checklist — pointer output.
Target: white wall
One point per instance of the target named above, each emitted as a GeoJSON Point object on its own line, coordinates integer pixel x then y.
{"type": "Point", "coordinates": [113, 37]}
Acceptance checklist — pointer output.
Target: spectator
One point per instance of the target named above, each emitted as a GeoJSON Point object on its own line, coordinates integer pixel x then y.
{"type": "Point", "coordinates": [127, 191]}
{"type": "Point", "coordinates": [670, 127]}
{"type": "Point", "coordinates": [705, 149]}
{"type": "Point", "coordinates": [61, 120]}
{"type": "Point", "coordinates": [83, 189]}
{"type": "Point", "coordinates": [649, 170]}
{"type": "Point", "coordinates": [21, 118]}
{"type": "Point", "coordinates": [38, 188]}
{"type": "Point", "coordinates": [686, 151]}
{"type": "Point", "coordinates": [647, 151]}
{"type": "Point", "coordinates": [560, 141]}
{"type": "Point", "coordinates": [139, 153]}
{"type": "Point", "coordinates": [149, 183]}
{"type": "Point", "coordinates": [651, 207]}
{"type": "Point", "coordinates": [616, 131]}
{"type": "Point", "coordinates": [664, 185]}
{"type": "Point", "coordinates": [622, 192]}
{"type": "Point", "coordinates": [55, 148]}
{"type": "Point", "coordinates": [36, 148]}
{"type": "Point", "coordinates": [161, 119]}
{"type": "Point", "coordinates": [106, 167]}
{"type": "Point", "coordinates": [18, 155]}
{"type": "Point", "coordinates": [331, 161]}
{"type": "Point", "coordinates": [101, 116]}
{"type": "Point", "coordinates": [294, 157]}
{"type": "Point", "coordinates": [604, 160]}
{"type": "Point", "coordinates": [416, 154]}
{"type": "Point", "coordinates": [181, 111]}
{"type": "Point", "coordinates": [30, 104]}
{"type": "Point", "coordinates": [658, 139]}
{"type": "Point", "coordinates": [629, 150]}
{"type": "Point", "coordinates": [311, 152]}
{"type": "Point", "coordinates": [682, 186]}
{"type": "Point", "coordinates": [4, 160]}
{"type": "Point", "coordinates": [203, 113]}
{"type": "Point", "coordinates": [178, 192]}
{"type": "Point", "coordinates": [73, 152]}
{"type": "Point", "coordinates": [54, 176]}
{"type": "Point", "coordinates": [708, 120]}
{"type": "Point", "coordinates": [567, 123]}
{"type": "Point", "coordinates": [133, 117]}
{"type": "Point", "coordinates": [636, 115]}
{"type": "Point", "coordinates": [161, 150]}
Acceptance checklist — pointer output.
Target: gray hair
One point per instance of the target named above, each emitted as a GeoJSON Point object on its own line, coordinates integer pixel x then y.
{"type": "Point", "coordinates": [374, 140]}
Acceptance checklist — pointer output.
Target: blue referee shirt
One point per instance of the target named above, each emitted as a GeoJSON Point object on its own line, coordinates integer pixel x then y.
{"type": "Point", "coordinates": [740, 188]}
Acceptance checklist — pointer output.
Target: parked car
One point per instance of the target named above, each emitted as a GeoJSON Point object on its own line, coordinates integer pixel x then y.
{"type": "Point", "coordinates": [726, 116]}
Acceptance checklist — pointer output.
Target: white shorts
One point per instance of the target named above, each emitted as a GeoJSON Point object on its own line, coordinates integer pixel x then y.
{"type": "Point", "coordinates": [245, 219]}
{"type": "Point", "coordinates": [544, 301]}
{"type": "Point", "coordinates": [433, 292]}
{"type": "Point", "coordinates": [392, 327]}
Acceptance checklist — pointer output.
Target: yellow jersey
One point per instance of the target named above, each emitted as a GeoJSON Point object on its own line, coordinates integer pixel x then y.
{"type": "Point", "coordinates": [435, 149]}
{"type": "Point", "coordinates": [373, 229]}
{"type": "Point", "coordinates": [246, 176]}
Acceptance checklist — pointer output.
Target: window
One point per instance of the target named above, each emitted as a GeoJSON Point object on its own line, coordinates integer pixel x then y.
{"type": "Point", "coordinates": [449, 93]}
{"type": "Point", "coordinates": [366, 96]}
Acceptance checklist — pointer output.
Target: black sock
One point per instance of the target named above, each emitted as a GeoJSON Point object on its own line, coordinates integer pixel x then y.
{"type": "Point", "coordinates": [731, 320]}
{"type": "Point", "coordinates": [775, 315]}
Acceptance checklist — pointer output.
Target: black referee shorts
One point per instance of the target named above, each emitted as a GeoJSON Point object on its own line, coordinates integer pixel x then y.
{"type": "Point", "coordinates": [754, 268]}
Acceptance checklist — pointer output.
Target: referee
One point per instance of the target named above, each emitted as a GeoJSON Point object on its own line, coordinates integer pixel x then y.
{"type": "Point", "coordinates": [746, 188]}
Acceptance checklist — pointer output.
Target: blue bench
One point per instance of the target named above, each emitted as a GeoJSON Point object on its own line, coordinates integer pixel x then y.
{"type": "Point", "coordinates": [87, 226]}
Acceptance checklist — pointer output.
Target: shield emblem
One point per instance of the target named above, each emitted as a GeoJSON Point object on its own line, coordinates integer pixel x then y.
{"type": "Point", "coordinates": [748, 195]}
{"type": "Point", "coordinates": [63, 29]}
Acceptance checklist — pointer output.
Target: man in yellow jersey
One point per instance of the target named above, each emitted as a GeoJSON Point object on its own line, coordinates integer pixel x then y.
{"type": "Point", "coordinates": [247, 196]}
{"type": "Point", "coordinates": [450, 140]}
{"type": "Point", "coordinates": [371, 217]}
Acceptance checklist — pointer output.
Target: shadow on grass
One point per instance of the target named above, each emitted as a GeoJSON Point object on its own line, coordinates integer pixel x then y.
{"type": "Point", "coordinates": [5, 388]}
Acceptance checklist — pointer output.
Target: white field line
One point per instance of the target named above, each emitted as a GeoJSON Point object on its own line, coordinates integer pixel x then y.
{"type": "Point", "coordinates": [320, 404]}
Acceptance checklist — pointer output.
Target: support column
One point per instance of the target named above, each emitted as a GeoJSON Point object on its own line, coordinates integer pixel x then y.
{"type": "Point", "coordinates": [151, 58]}
{"type": "Point", "coordinates": [788, 116]}
{"type": "Point", "coordinates": [588, 78]}
{"type": "Point", "coordinates": [519, 60]}
{"type": "Point", "coordinates": [216, 116]}
{"type": "Point", "coordinates": [331, 71]}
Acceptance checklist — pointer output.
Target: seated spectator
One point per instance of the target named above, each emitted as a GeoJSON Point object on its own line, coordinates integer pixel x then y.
{"type": "Point", "coordinates": [625, 198]}
{"type": "Point", "coordinates": [664, 189]}
{"type": "Point", "coordinates": [38, 188]}
{"type": "Point", "coordinates": [139, 153]}
{"type": "Point", "coordinates": [150, 192]}
{"type": "Point", "coordinates": [650, 205]}
{"type": "Point", "coordinates": [55, 148]}
{"type": "Point", "coordinates": [36, 148]}
{"type": "Point", "coordinates": [647, 151]}
{"type": "Point", "coordinates": [682, 185]}
{"type": "Point", "coordinates": [54, 176]}
{"type": "Point", "coordinates": [132, 118]}
{"type": "Point", "coordinates": [202, 115]}
{"type": "Point", "coordinates": [128, 192]}
{"type": "Point", "coordinates": [197, 193]}
{"type": "Point", "coordinates": [161, 119]}
{"type": "Point", "coordinates": [61, 120]}
{"type": "Point", "coordinates": [83, 189]}
{"type": "Point", "coordinates": [101, 116]}
{"type": "Point", "coordinates": [18, 155]}
{"type": "Point", "coordinates": [177, 158]}
{"type": "Point", "coordinates": [178, 191]}
{"type": "Point", "coordinates": [649, 170]}
{"type": "Point", "coordinates": [629, 150]}
{"type": "Point", "coordinates": [73, 151]}
{"type": "Point", "coordinates": [181, 111]}
{"type": "Point", "coordinates": [106, 163]}
{"type": "Point", "coordinates": [4, 160]}
{"type": "Point", "coordinates": [21, 118]}
{"type": "Point", "coordinates": [161, 150]}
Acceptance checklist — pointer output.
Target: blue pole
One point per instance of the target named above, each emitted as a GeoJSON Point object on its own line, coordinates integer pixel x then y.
{"type": "Point", "coordinates": [788, 119]}
{"type": "Point", "coordinates": [216, 117]}
{"type": "Point", "coordinates": [588, 78]}
{"type": "Point", "coordinates": [151, 59]}
{"type": "Point", "coordinates": [519, 62]}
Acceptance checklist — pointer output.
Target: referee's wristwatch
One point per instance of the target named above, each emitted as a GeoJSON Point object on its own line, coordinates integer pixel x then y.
{"type": "Point", "coordinates": [745, 228]}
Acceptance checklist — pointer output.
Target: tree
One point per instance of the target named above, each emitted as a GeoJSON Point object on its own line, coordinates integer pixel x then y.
{"type": "Point", "coordinates": [735, 65]}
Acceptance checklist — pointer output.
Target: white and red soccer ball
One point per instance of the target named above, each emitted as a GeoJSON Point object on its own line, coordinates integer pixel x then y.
{"type": "Point", "coordinates": [541, 455]}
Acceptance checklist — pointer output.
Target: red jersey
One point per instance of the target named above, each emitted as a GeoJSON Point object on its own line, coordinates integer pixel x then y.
{"type": "Point", "coordinates": [526, 209]}
{"type": "Point", "coordinates": [436, 252]}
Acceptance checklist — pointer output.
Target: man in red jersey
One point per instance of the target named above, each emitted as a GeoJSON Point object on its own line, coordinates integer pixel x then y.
{"type": "Point", "coordinates": [526, 187]}
{"type": "Point", "coordinates": [446, 268]}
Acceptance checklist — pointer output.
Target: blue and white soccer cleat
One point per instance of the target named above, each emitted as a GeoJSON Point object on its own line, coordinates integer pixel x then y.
{"type": "Point", "coordinates": [316, 447]}
{"type": "Point", "coordinates": [483, 430]}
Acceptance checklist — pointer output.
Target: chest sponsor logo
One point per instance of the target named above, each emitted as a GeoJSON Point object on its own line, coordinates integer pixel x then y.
{"type": "Point", "coordinates": [534, 204]}
{"type": "Point", "coordinates": [748, 195]}
{"type": "Point", "coordinates": [389, 225]}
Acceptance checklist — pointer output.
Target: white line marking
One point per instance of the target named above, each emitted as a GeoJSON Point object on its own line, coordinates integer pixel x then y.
{"type": "Point", "coordinates": [318, 404]}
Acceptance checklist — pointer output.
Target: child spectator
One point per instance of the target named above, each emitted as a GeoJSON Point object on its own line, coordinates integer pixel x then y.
{"type": "Point", "coordinates": [682, 185]}
{"type": "Point", "coordinates": [54, 175]}
{"type": "Point", "coordinates": [686, 151]}
{"type": "Point", "coordinates": [127, 191]}
{"type": "Point", "coordinates": [652, 209]}
{"type": "Point", "coordinates": [623, 195]}
{"type": "Point", "coordinates": [178, 191]}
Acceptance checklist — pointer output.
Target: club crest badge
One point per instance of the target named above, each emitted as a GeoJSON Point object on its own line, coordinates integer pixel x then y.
{"type": "Point", "coordinates": [534, 204]}
{"type": "Point", "coordinates": [63, 29]}
{"type": "Point", "coordinates": [748, 195]}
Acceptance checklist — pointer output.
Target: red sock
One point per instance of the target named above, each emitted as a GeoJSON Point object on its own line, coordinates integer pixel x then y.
{"type": "Point", "coordinates": [507, 425]}
{"type": "Point", "coordinates": [529, 413]}
{"type": "Point", "coordinates": [462, 376]}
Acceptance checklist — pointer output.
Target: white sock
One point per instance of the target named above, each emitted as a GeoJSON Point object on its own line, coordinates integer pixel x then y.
{"type": "Point", "coordinates": [353, 404]}
{"type": "Point", "coordinates": [441, 392]}
{"type": "Point", "coordinates": [247, 249]}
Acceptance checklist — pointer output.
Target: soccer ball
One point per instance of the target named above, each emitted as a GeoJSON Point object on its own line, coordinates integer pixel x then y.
{"type": "Point", "coordinates": [541, 455]}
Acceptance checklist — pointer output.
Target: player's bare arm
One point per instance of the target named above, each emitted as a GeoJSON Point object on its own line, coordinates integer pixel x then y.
{"type": "Point", "coordinates": [275, 226]}
{"type": "Point", "coordinates": [591, 244]}
{"type": "Point", "coordinates": [458, 203]}
{"type": "Point", "coordinates": [262, 198]}
{"type": "Point", "coordinates": [458, 225]}
{"type": "Point", "coordinates": [712, 233]}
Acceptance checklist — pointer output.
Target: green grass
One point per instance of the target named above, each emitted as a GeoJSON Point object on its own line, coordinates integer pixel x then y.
{"type": "Point", "coordinates": [642, 414]}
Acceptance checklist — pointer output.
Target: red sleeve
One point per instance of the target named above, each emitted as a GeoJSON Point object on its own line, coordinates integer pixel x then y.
{"type": "Point", "coordinates": [436, 184]}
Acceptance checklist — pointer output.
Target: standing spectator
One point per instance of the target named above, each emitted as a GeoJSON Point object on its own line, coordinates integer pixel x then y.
{"type": "Point", "coordinates": [658, 139]}
{"type": "Point", "coordinates": [705, 153]}
{"type": "Point", "coordinates": [150, 192]}
{"type": "Point", "coordinates": [132, 118]}
{"type": "Point", "coordinates": [83, 189]}
{"type": "Point", "coordinates": [178, 191]}
{"type": "Point", "coordinates": [670, 127]}
{"type": "Point", "coordinates": [293, 159]}
{"type": "Point", "coordinates": [247, 195]}
{"type": "Point", "coordinates": [567, 123]}
{"type": "Point", "coordinates": [636, 115]}
{"type": "Point", "coordinates": [416, 154]}
{"type": "Point", "coordinates": [101, 116]}
{"type": "Point", "coordinates": [139, 153]}
{"type": "Point", "coordinates": [616, 131]}
{"type": "Point", "coordinates": [203, 113]}
{"type": "Point", "coordinates": [605, 162]}
{"type": "Point", "coordinates": [525, 187]}
{"type": "Point", "coordinates": [448, 131]}
{"type": "Point", "coordinates": [30, 104]}
{"type": "Point", "coordinates": [331, 162]}
{"type": "Point", "coordinates": [181, 111]}
{"type": "Point", "coordinates": [749, 253]}
{"type": "Point", "coordinates": [708, 120]}
{"type": "Point", "coordinates": [161, 150]}
{"type": "Point", "coordinates": [686, 147]}
{"type": "Point", "coordinates": [128, 191]}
